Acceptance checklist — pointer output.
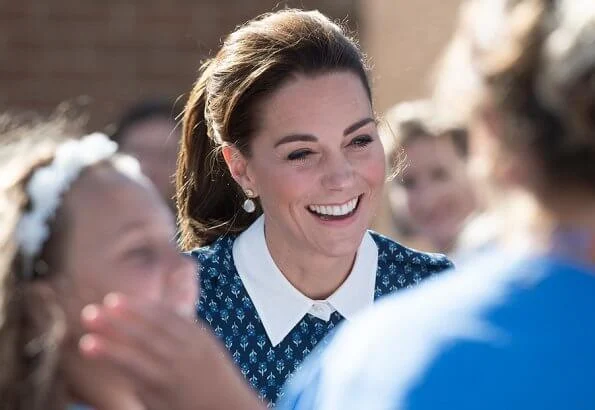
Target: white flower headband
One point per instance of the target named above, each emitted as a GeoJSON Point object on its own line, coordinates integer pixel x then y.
{"type": "Point", "coordinates": [49, 183]}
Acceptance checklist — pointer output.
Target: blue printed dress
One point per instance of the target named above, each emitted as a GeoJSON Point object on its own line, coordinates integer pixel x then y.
{"type": "Point", "coordinates": [267, 349]}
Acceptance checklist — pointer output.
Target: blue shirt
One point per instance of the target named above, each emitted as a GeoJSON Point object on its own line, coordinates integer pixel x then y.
{"type": "Point", "coordinates": [503, 333]}
{"type": "Point", "coordinates": [226, 307]}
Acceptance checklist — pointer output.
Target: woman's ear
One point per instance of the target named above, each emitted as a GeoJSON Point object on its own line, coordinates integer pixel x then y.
{"type": "Point", "coordinates": [238, 167]}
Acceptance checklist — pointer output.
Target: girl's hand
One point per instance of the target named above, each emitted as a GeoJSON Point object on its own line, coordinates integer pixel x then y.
{"type": "Point", "coordinates": [173, 362]}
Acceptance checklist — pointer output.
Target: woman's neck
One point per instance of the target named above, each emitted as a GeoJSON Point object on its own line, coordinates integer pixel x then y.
{"type": "Point", "coordinates": [314, 274]}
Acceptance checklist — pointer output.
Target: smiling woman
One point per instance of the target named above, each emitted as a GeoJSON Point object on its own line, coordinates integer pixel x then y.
{"type": "Point", "coordinates": [280, 172]}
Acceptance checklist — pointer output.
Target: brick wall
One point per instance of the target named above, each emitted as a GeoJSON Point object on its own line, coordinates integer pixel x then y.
{"type": "Point", "coordinates": [404, 39]}
{"type": "Point", "coordinates": [110, 53]}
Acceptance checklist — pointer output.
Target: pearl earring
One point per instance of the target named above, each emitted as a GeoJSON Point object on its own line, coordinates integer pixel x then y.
{"type": "Point", "coordinates": [249, 205]}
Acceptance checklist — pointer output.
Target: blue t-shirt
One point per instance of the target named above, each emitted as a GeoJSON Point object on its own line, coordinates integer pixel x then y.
{"type": "Point", "coordinates": [504, 332]}
{"type": "Point", "coordinates": [226, 307]}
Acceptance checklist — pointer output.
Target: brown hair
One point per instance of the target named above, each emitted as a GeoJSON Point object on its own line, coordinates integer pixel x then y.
{"type": "Point", "coordinates": [540, 78]}
{"type": "Point", "coordinates": [254, 61]}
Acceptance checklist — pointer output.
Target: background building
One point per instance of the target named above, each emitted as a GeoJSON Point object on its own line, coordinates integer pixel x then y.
{"type": "Point", "coordinates": [106, 55]}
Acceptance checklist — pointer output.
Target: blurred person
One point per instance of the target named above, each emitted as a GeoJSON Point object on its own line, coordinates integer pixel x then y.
{"type": "Point", "coordinates": [60, 251]}
{"type": "Point", "coordinates": [280, 172]}
{"type": "Point", "coordinates": [148, 132]}
{"type": "Point", "coordinates": [512, 328]}
{"type": "Point", "coordinates": [435, 183]}
{"type": "Point", "coordinates": [402, 227]}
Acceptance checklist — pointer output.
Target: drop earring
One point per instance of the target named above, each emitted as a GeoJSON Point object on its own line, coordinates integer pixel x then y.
{"type": "Point", "coordinates": [249, 205]}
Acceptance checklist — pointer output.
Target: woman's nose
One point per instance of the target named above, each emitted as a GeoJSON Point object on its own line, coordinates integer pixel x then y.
{"type": "Point", "coordinates": [339, 173]}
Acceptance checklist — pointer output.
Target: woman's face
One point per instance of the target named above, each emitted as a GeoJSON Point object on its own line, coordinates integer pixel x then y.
{"type": "Point", "coordinates": [120, 238]}
{"type": "Point", "coordinates": [317, 164]}
{"type": "Point", "coordinates": [439, 191]}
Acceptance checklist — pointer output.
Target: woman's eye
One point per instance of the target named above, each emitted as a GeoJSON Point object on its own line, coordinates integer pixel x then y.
{"type": "Point", "coordinates": [299, 155]}
{"type": "Point", "coordinates": [361, 141]}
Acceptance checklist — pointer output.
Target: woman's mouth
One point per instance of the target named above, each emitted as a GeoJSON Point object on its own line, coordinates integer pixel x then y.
{"type": "Point", "coordinates": [335, 211]}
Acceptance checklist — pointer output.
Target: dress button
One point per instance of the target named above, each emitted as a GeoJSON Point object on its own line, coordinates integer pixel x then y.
{"type": "Point", "coordinates": [321, 310]}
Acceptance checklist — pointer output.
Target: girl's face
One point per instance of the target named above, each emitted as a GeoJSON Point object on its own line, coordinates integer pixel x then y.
{"type": "Point", "coordinates": [439, 191]}
{"type": "Point", "coordinates": [120, 238]}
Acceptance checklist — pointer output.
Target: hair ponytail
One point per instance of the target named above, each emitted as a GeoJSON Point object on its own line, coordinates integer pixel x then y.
{"type": "Point", "coordinates": [208, 198]}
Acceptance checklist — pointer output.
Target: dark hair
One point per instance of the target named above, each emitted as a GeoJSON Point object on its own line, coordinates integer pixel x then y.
{"type": "Point", "coordinates": [254, 61]}
{"type": "Point", "coordinates": [142, 111]}
{"type": "Point", "coordinates": [544, 94]}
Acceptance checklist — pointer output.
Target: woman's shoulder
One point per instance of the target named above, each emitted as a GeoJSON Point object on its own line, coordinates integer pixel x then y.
{"type": "Point", "coordinates": [390, 252]}
{"type": "Point", "coordinates": [215, 252]}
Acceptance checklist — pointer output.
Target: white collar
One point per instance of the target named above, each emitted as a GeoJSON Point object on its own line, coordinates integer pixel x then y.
{"type": "Point", "coordinates": [279, 304]}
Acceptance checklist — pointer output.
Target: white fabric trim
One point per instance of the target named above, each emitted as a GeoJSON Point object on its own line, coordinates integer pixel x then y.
{"type": "Point", "coordinates": [47, 185]}
{"type": "Point", "coordinates": [279, 304]}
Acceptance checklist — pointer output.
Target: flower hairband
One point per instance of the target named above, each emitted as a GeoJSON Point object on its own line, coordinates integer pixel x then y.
{"type": "Point", "coordinates": [47, 185]}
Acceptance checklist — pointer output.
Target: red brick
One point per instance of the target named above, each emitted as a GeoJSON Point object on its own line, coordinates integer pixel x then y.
{"type": "Point", "coordinates": [115, 51]}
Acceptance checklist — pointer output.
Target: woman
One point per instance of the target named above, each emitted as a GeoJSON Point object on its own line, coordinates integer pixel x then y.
{"type": "Point", "coordinates": [280, 172]}
{"type": "Point", "coordinates": [61, 251]}
{"type": "Point", "coordinates": [511, 330]}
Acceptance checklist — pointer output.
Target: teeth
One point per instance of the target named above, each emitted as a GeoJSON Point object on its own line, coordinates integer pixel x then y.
{"type": "Point", "coordinates": [335, 210]}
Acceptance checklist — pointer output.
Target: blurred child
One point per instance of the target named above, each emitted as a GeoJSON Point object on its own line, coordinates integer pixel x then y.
{"type": "Point", "coordinates": [77, 221]}
{"type": "Point", "coordinates": [147, 131]}
{"type": "Point", "coordinates": [438, 191]}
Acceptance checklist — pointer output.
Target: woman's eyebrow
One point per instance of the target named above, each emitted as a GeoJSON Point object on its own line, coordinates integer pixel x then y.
{"type": "Point", "coordinates": [296, 137]}
{"type": "Point", "coordinates": [311, 138]}
{"type": "Point", "coordinates": [355, 126]}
